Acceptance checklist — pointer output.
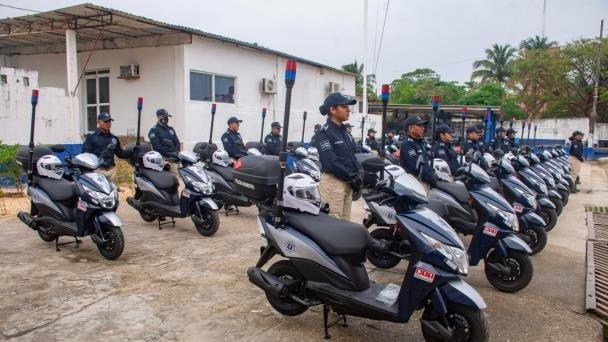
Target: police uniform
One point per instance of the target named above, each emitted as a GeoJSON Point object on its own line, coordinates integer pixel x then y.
{"type": "Point", "coordinates": [273, 142]}
{"type": "Point", "coordinates": [576, 155]}
{"type": "Point", "coordinates": [160, 132]}
{"type": "Point", "coordinates": [498, 143]}
{"type": "Point", "coordinates": [105, 146]}
{"type": "Point", "coordinates": [340, 169]}
{"type": "Point", "coordinates": [314, 135]}
{"type": "Point", "coordinates": [411, 150]}
{"type": "Point", "coordinates": [372, 143]}
{"type": "Point", "coordinates": [233, 142]}
{"type": "Point", "coordinates": [444, 150]}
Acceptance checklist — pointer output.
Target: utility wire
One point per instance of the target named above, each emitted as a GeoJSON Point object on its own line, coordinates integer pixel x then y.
{"type": "Point", "coordinates": [19, 8]}
{"type": "Point", "coordinates": [388, 2]}
{"type": "Point", "coordinates": [376, 32]}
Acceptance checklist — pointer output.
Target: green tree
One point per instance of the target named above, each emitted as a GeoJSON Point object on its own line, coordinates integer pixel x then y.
{"type": "Point", "coordinates": [497, 66]}
{"type": "Point", "coordinates": [418, 87]}
{"type": "Point", "coordinates": [536, 43]}
{"type": "Point", "coordinates": [488, 94]}
{"type": "Point", "coordinates": [357, 69]}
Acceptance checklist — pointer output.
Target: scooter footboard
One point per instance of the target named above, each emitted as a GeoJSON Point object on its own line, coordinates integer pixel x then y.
{"type": "Point", "coordinates": [458, 291]}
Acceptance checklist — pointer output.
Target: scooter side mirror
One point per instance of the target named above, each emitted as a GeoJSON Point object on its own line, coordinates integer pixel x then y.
{"type": "Point", "coordinates": [58, 148]}
{"type": "Point", "coordinates": [476, 156]}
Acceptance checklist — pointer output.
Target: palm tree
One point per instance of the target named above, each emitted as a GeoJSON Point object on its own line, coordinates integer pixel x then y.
{"type": "Point", "coordinates": [356, 69]}
{"type": "Point", "coordinates": [497, 66]}
{"type": "Point", "coordinates": [537, 43]}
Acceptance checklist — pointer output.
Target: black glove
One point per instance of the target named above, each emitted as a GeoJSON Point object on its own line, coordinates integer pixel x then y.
{"type": "Point", "coordinates": [356, 181]}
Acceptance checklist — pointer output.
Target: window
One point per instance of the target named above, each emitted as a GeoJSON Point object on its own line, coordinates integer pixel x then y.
{"type": "Point", "coordinates": [213, 88]}
{"type": "Point", "coordinates": [97, 95]}
{"type": "Point", "coordinates": [3, 79]}
{"type": "Point", "coordinates": [26, 81]}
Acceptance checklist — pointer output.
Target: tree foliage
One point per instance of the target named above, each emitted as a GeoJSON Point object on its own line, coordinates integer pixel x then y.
{"type": "Point", "coordinates": [497, 66]}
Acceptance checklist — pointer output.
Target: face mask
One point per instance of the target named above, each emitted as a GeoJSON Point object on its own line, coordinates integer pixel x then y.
{"type": "Point", "coordinates": [164, 121]}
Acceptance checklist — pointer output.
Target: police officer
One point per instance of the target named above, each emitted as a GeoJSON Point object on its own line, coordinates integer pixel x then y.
{"type": "Point", "coordinates": [443, 147]}
{"type": "Point", "coordinates": [390, 139]}
{"type": "Point", "coordinates": [511, 133]}
{"type": "Point", "coordinates": [162, 131]}
{"type": "Point", "coordinates": [349, 130]}
{"type": "Point", "coordinates": [472, 142]}
{"type": "Point", "coordinates": [480, 141]}
{"type": "Point", "coordinates": [102, 143]}
{"type": "Point", "coordinates": [314, 135]}
{"type": "Point", "coordinates": [576, 155]}
{"type": "Point", "coordinates": [371, 140]}
{"type": "Point", "coordinates": [414, 146]}
{"type": "Point", "coordinates": [232, 140]}
{"type": "Point", "coordinates": [341, 170]}
{"type": "Point", "coordinates": [273, 140]}
{"type": "Point", "coordinates": [500, 142]}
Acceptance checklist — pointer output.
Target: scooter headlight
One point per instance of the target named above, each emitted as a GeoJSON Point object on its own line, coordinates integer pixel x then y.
{"type": "Point", "coordinates": [101, 199]}
{"type": "Point", "coordinates": [529, 198]}
{"type": "Point", "coordinates": [455, 258]}
{"type": "Point", "coordinates": [509, 219]}
{"type": "Point", "coordinates": [205, 188]}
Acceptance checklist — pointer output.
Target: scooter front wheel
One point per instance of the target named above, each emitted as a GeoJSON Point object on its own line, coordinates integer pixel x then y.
{"type": "Point", "coordinates": [207, 223]}
{"type": "Point", "coordinates": [113, 245]}
{"type": "Point", "coordinates": [284, 269]}
{"type": "Point", "coordinates": [565, 196]}
{"type": "Point", "coordinates": [549, 216]}
{"type": "Point", "coordinates": [509, 274]}
{"type": "Point", "coordinates": [537, 237]}
{"type": "Point", "coordinates": [465, 323]}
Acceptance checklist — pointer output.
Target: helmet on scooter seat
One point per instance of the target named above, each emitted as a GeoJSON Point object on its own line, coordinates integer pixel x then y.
{"type": "Point", "coordinates": [154, 161]}
{"type": "Point", "coordinates": [221, 158]}
{"type": "Point", "coordinates": [301, 192]}
{"type": "Point", "coordinates": [50, 166]}
{"type": "Point", "coordinates": [302, 152]}
{"type": "Point", "coordinates": [313, 153]}
{"type": "Point", "coordinates": [547, 155]}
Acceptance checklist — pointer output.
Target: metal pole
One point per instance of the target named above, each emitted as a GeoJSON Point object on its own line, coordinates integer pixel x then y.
{"type": "Point", "coordinates": [529, 129]}
{"type": "Point", "coordinates": [511, 122]}
{"type": "Point", "coordinates": [435, 101]}
{"type": "Point", "coordinates": [523, 129]}
{"type": "Point", "coordinates": [502, 118]}
{"type": "Point", "coordinates": [290, 79]}
{"type": "Point", "coordinates": [362, 130]}
{"type": "Point", "coordinates": [463, 115]}
{"type": "Point", "coordinates": [593, 115]}
{"type": "Point", "coordinates": [34, 101]}
{"type": "Point", "coordinates": [303, 127]}
{"type": "Point", "coordinates": [262, 130]}
{"type": "Point", "coordinates": [535, 127]}
{"type": "Point", "coordinates": [364, 69]}
{"type": "Point", "coordinates": [140, 105]}
{"type": "Point", "coordinates": [213, 107]}
{"type": "Point", "coordinates": [385, 95]}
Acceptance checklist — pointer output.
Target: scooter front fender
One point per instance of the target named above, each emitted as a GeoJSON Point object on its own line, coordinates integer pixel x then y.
{"type": "Point", "coordinates": [545, 202]}
{"type": "Point", "coordinates": [533, 218]}
{"type": "Point", "coordinates": [562, 186]}
{"type": "Point", "coordinates": [515, 243]}
{"type": "Point", "coordinates": [458, 291]}
{"type": "Point", "coordinates": [207, 202]}
{"type": "Point", "coordinates": [555, 194]}
{"type": "Point", "coordinates": [110, 217]}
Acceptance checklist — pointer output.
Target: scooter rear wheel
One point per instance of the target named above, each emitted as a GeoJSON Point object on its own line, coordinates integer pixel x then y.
{"type": "Point", "coordinates": [519, 265]}
{"type": "Point", "coordinates": [148, 215]}
{"type": "Point", "coordinates": [284, 269]}
{"type": "Point", "coordinates": [378, 259]}
{"type": "Point", "coordinates": [467, 324]}
{"type": "Point", "coordinates": [46, 237]}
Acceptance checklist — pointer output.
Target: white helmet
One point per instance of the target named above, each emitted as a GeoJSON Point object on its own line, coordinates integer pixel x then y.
{"type": "Point", "coordinates": [301, 192]}
{"type": "Point", "coordinates": [313, 153]}
{"type": "Point", "coordinates": [220, 158]}
{"type": "Point", "coordinates": [50, 166]}
{"type": "Point", "coordinates": [154, 161]}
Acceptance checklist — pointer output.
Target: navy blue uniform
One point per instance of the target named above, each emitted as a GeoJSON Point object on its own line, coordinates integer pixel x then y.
{"type": "Point", "coordinates": [337, 151]}
{"type": "Point", "coordinates": [103, 145]}
{"type": "Point", "coordinates": [273, 144]}
{"type": "Point", "coordinates": [408, 159]}
{"type": "Point", "coordinates": [445, 151]}
{"type": "Point", "coordinates": [372, 143]}
{"type": "Point", "coordinates": [576, 149]}
{"type": "Point", "coordinates": [469, 146]}
{"type": "Point", "coordinates": [157, 134]}
{"type": "Point", "coordinates": [513, 143]}
{"type": "Point", "coordinates": [501, 144]}
{"type": "Point", "coordinates": [390, 142]}
{"type": "Point", "coordinates": [233, 144]}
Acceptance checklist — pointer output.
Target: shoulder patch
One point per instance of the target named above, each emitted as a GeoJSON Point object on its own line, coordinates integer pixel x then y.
{"type": "Point", "coordinates": [325, 145]}
{"type": "Point", "coordinates": [152, 135]}
{"type": "Point", "coordinates": [411, 152]}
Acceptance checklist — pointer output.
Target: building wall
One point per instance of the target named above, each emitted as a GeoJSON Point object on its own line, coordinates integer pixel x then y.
{"type": "Point", "coordinates": [16, 110]}
{"type": "Point", "coordinates": [561, 129]}
{"type": "Point", "coordinates": [250, 67]}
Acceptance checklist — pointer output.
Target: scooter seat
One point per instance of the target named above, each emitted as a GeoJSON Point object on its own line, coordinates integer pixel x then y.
{"type": "Point", "coordinates": [458, 190]}
{"type": "Point", "coordinates": [57, 189]}
{"type": "Point", "coordinates": [224, 171]}
{"type": "Point", "coordinates": [336, 237]}
{"type": "Point", "coordinates": [160, 179]}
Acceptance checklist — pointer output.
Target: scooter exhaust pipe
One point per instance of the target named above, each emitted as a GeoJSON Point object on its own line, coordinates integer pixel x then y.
{"type": "Point", "coordinates": [439, 331]}
{"type": "Point", "coordinates": [27, 219]}
{"type": "Point", "coordinates": [267, 282]}
{"type": "Point", "coordinates": [134, 203]}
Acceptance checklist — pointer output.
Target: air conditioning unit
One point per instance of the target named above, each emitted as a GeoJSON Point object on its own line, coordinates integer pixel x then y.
{"type": "Point", "coordinates": [334, 87]}
{"type": "Point", "coordinates": [269, 86]}
{"type": "Point", "coordinates": [129, 72]}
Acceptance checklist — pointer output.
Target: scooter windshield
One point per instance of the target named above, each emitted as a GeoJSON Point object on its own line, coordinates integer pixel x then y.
{"type": "Point", "coordinates": [479, 174]}
{"type": "Point", "coordinates": [407, 186]}
{"type": "Point", "coordinates": [199, 172]}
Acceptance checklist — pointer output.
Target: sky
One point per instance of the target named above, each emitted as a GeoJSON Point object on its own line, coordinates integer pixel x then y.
{"type": "Point", "coordinates": [444, 35]}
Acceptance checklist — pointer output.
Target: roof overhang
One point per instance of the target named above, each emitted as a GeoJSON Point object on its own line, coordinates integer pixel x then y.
{"type": "Point", "coordinates": [101, 28]}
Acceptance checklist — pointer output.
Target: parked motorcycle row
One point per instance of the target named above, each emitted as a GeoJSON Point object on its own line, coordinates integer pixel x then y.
{"type": "Point", "coordinates": [507, 208]}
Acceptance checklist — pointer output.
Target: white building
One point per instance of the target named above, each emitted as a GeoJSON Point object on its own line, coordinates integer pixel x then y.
{"type": "Point", "coordinates": [104, 59]}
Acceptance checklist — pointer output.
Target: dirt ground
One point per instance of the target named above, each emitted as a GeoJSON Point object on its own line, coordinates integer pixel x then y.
{"type": "Point", "coordinates": [174, 284]}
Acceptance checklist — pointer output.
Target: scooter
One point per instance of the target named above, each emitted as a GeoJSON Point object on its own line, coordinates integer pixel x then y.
{"type": "Point", "coordinates": [298, 161]}
{"type": "Point", "coordinates": [156, 194]}
{"type": "Point", "coordinates": [547, 177]}
{"type": "Point", "coordinates": [324, 259]}
{"type": "Point", "coordinates": [76, 203]}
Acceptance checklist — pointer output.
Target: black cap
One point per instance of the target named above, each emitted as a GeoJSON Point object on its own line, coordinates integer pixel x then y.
{"type": "Point", "coordinates": [471, 129]}
{"type": "Point", "coordinates": [444, 129]}
{"type": "Point", "coordinates": [500, 129]}
{"type": "Point", "coordinates": [413, 120]}
{"type": "Point", "coordinates": [335, 99]}
{"type": "Point", "coordinates": [347, 125]}
{"type": "Point", "coordinates": [371, 130]}
{"type": "Point", "coordinates": [103, 116]}
{"type": "Point", "coordinates": [318, 126]}
{"type": "Point", "coordinates": [575, 133]}
{"type": "Point", "coordinates": [163, 112]}
{"type": "Point", "coordinates": [274, 124]}
{"type": "Point", "coordinates": [511, 131]}
{"type": "Point", "coordinates": [480, 127]}
{"type": "Point", "coordinates": [233, 119]}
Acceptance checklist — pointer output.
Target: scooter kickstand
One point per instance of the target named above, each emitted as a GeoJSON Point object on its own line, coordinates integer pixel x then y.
{"type": "Point", "coordinates": [77, 242]}
{"type": "Point", "coordinates": [325, 317]}
{"type": "Point", "coordinates": [57, 244]}
{"type": "Point", "coordinates": [344, 325]}
{"type": "Point", "coordinates": [173, 221]}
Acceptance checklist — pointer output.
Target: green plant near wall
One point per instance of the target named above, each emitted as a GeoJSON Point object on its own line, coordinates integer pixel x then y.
{"type": "Point", "coordinates": [8, 165]}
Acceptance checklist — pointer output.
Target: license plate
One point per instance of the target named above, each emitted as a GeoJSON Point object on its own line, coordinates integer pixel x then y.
{"type": "Point", "coordinates": [186, 193]}
{"type": "Point", "coordinates": [82, 206]}
{"type": "Point", "coordinates": [424, 275]}
{"type": "Point", "coordinates": [518, 207]}
{"type": "Point", "coordinates": [489, 230]}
